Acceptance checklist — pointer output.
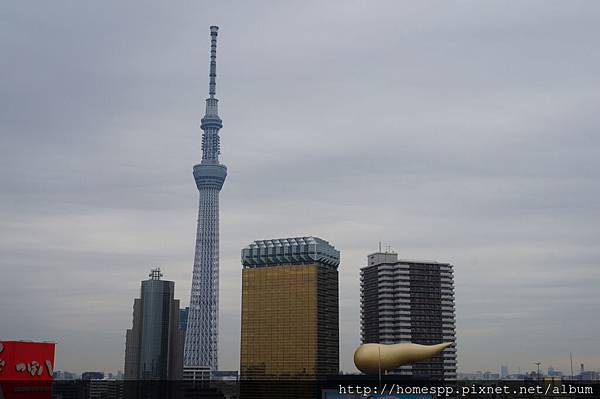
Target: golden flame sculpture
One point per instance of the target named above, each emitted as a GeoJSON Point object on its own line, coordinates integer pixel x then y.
{"type": "Point", "coordinates": [375, 358]}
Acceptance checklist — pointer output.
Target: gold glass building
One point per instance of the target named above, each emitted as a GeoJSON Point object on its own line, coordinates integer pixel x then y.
{"type": "Point", "coordinates": [290, 321]}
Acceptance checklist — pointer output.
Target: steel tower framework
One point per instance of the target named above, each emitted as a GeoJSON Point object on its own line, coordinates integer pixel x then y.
{"type": "Point", "coordinates": [201, 340]}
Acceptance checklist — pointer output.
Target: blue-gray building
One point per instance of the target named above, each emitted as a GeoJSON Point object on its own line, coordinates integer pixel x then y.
{"type": "Point", "coordinates": [154, 345]}
{"type": "Point", "coordinates": [183, 318]}
{"type": "Point", "coordinates": [92, 375]}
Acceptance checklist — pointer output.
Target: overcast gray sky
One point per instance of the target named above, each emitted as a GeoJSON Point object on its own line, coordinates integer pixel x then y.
{"type": "Point", "coordinates": [464, 132]}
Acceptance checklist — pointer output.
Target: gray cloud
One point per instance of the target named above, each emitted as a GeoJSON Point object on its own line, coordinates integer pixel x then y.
{"type": "Point", "coordinates": [459, 132]}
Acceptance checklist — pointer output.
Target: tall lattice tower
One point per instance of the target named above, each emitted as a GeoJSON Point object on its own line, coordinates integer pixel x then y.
{"type": "Point", "coordinates": [201, 339]}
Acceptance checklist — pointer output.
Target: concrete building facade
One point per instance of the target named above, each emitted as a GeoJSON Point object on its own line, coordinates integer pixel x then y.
{"type": "Point", "coordinates": [410, 301]}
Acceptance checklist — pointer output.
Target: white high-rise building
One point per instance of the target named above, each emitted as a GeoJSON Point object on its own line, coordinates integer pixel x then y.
{"type": "Point", "coordinates": [410, 301]}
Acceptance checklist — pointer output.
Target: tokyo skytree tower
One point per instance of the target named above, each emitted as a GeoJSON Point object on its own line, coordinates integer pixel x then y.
{"type": "Point", "coordinates": [201, 339]}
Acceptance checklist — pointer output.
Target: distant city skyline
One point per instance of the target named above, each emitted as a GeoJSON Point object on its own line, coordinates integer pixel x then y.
{"type": "Point", "coordinates": [462, 132]}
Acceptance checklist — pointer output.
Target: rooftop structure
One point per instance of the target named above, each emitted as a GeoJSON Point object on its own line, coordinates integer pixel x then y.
{"type": "Point", "coordinates": [295, 250]}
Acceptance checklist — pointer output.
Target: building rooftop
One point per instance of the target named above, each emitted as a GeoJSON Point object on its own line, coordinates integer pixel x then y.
{"type": "Point", "coordinates": [295, 250]}
{"type": "Point", "coordinates": [386, 258]}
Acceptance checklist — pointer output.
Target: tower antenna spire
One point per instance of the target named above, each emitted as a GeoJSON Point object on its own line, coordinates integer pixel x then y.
{"type": "Point", "coordinates": [212, 87]}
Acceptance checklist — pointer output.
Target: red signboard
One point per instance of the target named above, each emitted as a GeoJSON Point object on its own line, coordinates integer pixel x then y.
{"type": "Point", "coordinates": [20, 360]}
{"type": "Point", "coordinates": [26, 369]}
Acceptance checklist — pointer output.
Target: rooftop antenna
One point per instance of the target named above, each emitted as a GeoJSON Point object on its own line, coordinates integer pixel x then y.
{"type": "Point", "coordinates": [571, 356]}
{"type": "Point", "coordinates": [155, 274]}
{"type": "Point", "coordinates": [379, 246]}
